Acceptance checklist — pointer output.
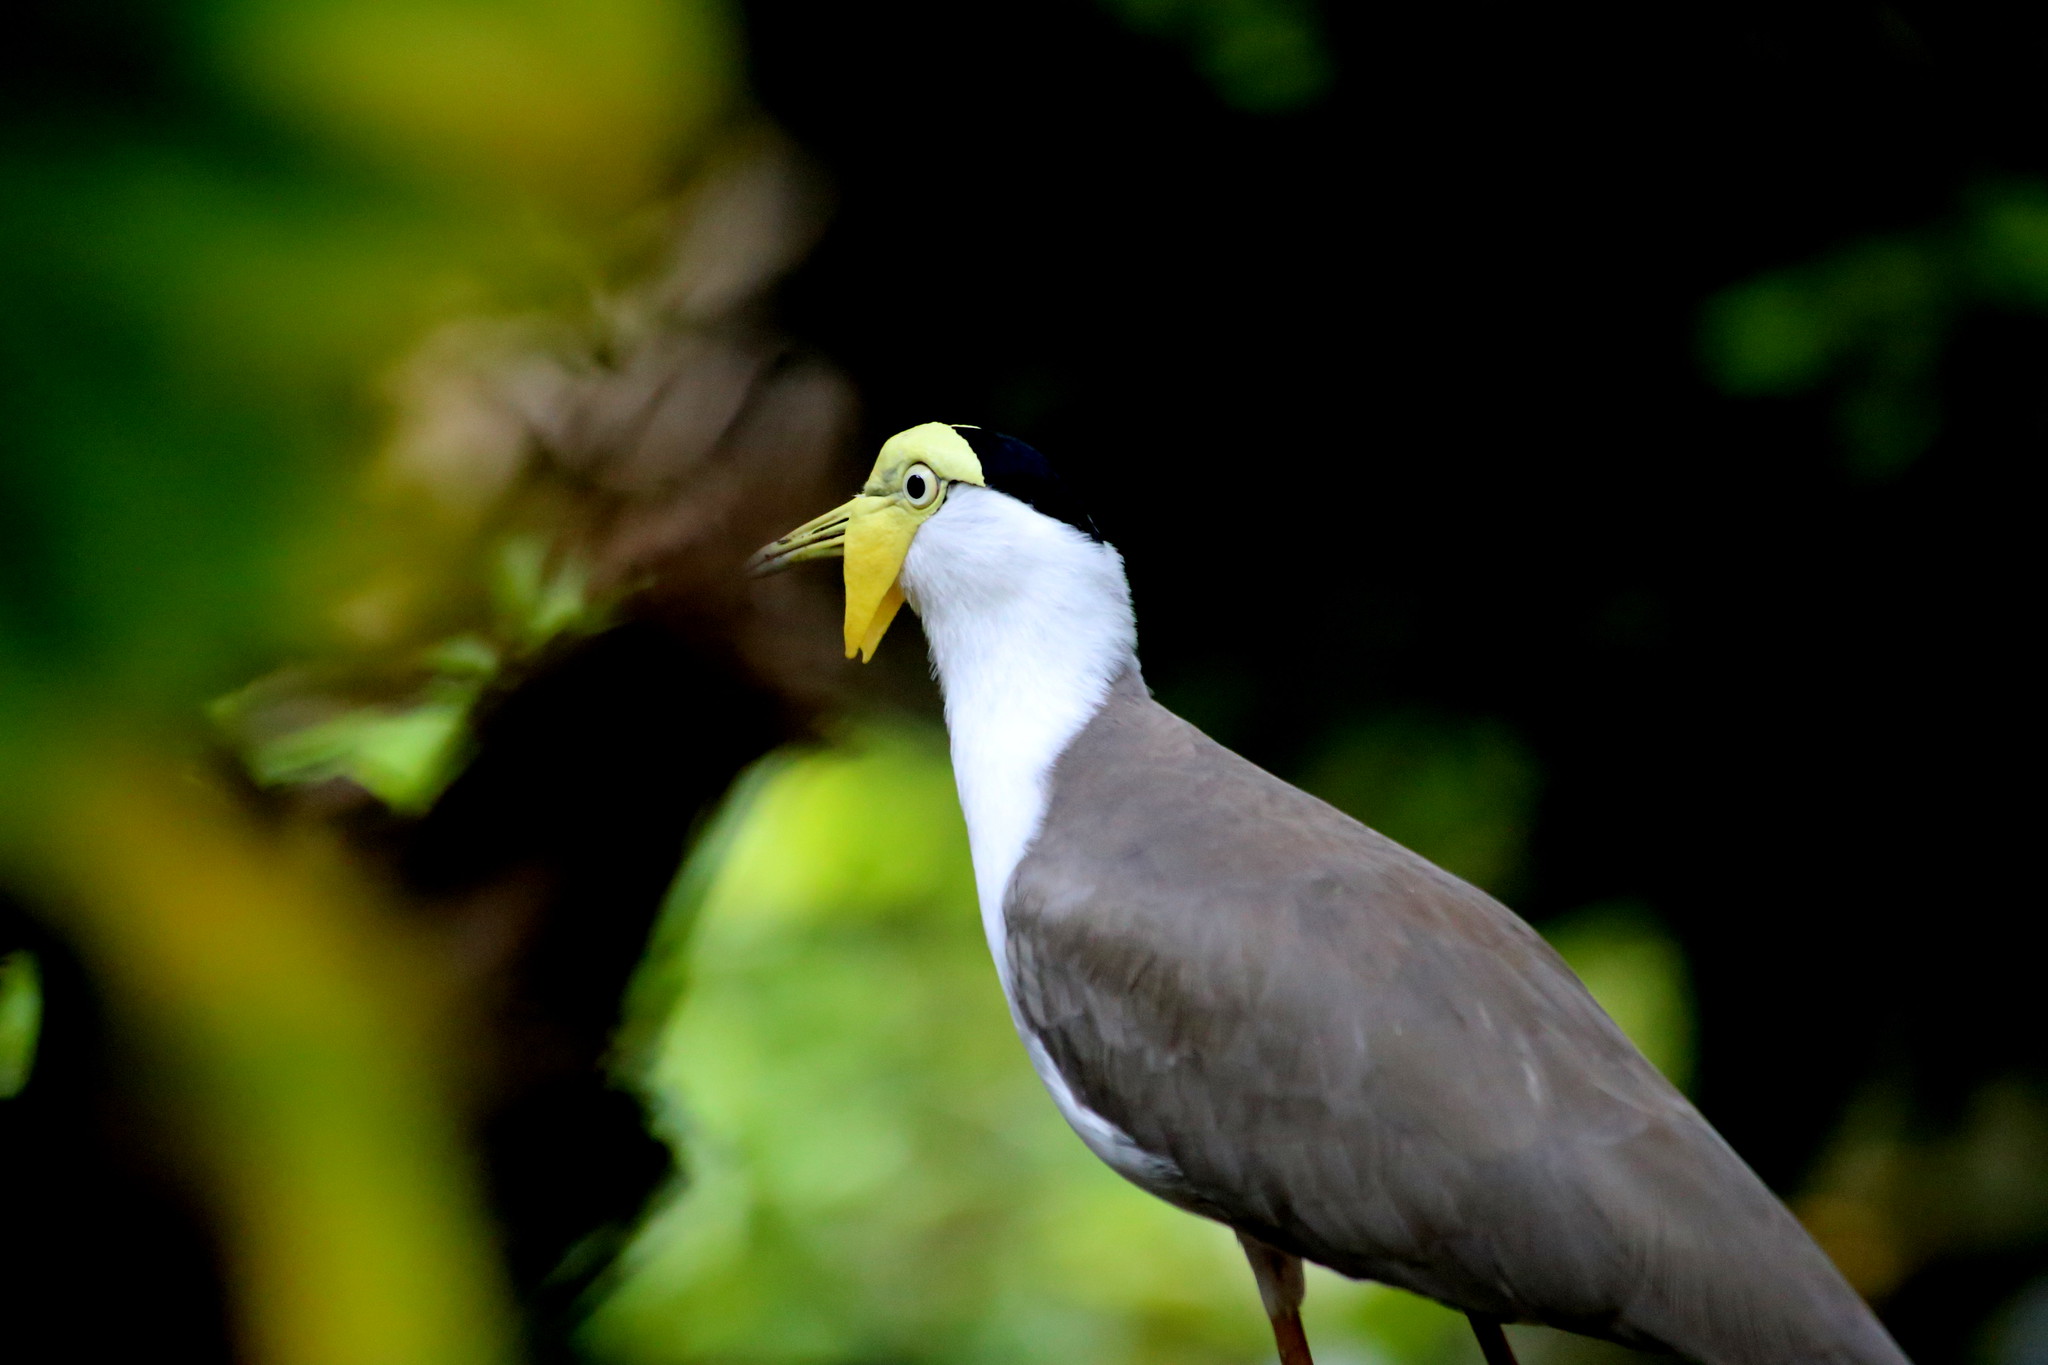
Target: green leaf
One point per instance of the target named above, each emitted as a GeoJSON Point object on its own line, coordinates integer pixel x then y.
{"type": "Point", "coordinates": [21, 1019]}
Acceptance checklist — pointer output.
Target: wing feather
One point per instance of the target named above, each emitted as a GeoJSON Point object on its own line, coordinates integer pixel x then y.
{"type": "Point", "coordinates": [1360, 1059]}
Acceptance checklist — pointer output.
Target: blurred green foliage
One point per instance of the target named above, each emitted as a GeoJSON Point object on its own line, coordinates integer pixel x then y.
{"type": "Point", "coordinates": [200, 312]}
{"type": "Point", "coordinates": [21, 1019]}
{"type": "Point", "coordinates": [1263, 56]}
{"type": "Point", "coordinates": [1459, 792]}
{"type": "Point", "coordinates": [1636, 970]}
{"type": "Point", "coordinates": [1873, 318]}
{"type": "Point", "coordinates": [874, 1170]}
{"type": "Point", "coordinates": [405, 752]}
{"type": "Point", "coordinates": [1888, 1196]}
{"type": "Point", "coordinates": [402, 755]}
{"type": "Point", "coordinates": [206, 280]}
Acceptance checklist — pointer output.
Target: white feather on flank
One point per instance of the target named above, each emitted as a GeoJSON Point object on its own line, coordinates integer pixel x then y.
{"type": "Point", "coordinates": [1029, 622]}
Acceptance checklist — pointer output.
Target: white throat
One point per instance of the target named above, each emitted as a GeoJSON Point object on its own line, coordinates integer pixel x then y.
{"type": "Point", "coordinates": [1029, 622]}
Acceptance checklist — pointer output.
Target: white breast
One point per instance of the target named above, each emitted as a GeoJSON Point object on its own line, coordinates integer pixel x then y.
{"type": "Point", "coordinates": [1029, 622]}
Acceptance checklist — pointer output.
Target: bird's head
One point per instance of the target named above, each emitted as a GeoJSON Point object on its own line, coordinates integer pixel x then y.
{"type": "Point", "coordinates": [908, 486]}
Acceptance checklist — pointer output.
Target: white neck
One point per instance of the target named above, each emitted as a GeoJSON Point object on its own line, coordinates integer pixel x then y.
{"type": "Point", "coordinates": [1029, 623]}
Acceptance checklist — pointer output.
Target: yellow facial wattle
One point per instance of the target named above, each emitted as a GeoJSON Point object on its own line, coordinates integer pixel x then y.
{"type": "Point", "coordinates": [873, 531]}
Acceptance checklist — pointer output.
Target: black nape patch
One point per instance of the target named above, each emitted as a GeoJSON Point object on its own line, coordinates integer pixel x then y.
{"type": "Point", "coordinates": [1017, 469]}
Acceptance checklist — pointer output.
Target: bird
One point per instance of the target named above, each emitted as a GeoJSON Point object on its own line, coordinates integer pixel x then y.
{"type": "Point", "coordinates": [1259, 1009]}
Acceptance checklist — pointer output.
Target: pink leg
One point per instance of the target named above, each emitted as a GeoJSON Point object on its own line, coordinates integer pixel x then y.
{"type": "Point", "coordinates": [1280, 1289]}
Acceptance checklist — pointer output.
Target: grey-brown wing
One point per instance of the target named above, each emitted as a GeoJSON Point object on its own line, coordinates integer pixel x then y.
{"type": "Point", "coordinates": [1361, 1059]}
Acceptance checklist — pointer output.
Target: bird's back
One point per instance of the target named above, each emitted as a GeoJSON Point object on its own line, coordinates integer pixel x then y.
{"type": "Point", "coordinates": [1347, 1052]}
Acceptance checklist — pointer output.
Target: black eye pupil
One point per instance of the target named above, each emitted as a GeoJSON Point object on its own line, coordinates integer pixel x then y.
{"type": "Point", "coordinates": [916, 486]}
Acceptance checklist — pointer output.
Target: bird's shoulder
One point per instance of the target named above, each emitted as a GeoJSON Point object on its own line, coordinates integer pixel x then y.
{"type": "Point", "coordinates": [1164, 852]}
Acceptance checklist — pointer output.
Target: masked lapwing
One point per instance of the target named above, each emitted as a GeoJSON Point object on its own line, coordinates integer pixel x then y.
{"type": "Point", "coordinates": [1260, 1010]}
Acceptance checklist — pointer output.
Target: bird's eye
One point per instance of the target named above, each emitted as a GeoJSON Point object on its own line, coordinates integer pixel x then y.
{"type": "Point", "coordinates": [920, 486]}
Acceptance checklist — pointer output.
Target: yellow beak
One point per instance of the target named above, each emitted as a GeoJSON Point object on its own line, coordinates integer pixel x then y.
{"type": "Point", "coordinates": [873, 536]}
